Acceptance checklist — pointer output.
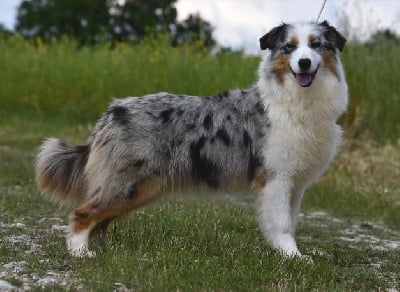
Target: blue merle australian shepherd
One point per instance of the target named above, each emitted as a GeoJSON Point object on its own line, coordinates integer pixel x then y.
{"type": "Point", "coordinates": [274, 138]}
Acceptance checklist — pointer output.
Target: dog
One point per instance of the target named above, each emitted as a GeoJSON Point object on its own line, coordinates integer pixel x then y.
{"type": "Point", "coordinates": [274, 138]}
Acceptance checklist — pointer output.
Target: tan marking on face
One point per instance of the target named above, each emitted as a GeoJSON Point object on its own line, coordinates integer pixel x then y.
{"type": "Point", "coordinates": [311, 38]}
{"type": "Point", "coordinates": [330, 63]}
{"type": "Point", "coordinates": [281, 67]}
{"type": "Point", "coordinates": [294, 41]}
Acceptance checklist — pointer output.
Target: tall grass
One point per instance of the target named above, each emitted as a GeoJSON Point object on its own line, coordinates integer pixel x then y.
{"type": "Point", "coordinates": [61, 79]}
{"type": "Point", "coordinates": [373, 75]}
{"type": "Point", "coordinates": [40, 80]}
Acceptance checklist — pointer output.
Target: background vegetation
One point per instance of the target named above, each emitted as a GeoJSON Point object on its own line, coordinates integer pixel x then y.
{"type": "Point", "coordinates": [95, 21]}
{"type": "Point", "coordinates": [59, 79]}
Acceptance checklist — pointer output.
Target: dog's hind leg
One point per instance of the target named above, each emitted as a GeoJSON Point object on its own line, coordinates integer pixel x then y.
{"type": "Point", "coordinates": [82, 221]}
{"type": "Point", "coordinates": [100, 230]}
{"type": "Point", "coordinates": [95, 215]}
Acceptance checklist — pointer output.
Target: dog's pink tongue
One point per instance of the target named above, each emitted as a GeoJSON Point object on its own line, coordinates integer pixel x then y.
{"type": "Point", "coordinates": [303, 79]}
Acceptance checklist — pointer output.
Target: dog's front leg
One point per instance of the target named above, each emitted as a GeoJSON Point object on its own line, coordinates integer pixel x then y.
{"type": "Point", "coordinates": [275, 215]}
{"type": "Point", "coordinates": [295, 204]}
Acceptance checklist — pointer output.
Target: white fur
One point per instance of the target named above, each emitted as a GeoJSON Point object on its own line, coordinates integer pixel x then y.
{"type": "Point", "coordinates": [78, 243]}
{"type": "Point", "coordinates": [301, 31]}
{"type": "Point", "coordinates": [303, 140]}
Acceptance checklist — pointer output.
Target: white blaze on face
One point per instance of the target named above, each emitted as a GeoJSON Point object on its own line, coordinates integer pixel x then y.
{"type": "Point", "coordinates": [305, 34]}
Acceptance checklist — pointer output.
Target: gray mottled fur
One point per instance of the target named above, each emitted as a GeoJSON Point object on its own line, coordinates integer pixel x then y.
{"type": "Point", "coordinates": [174, 139]}
{"type": "Point", "coordinates": [180, 140]}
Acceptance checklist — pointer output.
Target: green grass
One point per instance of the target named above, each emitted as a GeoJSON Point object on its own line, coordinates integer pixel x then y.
{"type": "Point", "coordinates": [61, 80]}
{"type": "Point", "coordinates": [372, 73]}
{"type": "Point", "coordinates": [188, 243]}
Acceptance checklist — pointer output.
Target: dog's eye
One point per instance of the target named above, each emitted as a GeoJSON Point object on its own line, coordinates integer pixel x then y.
{"type": "Point", "coordinates": [288, 48]}
{"type": "Point", "coordinates": [315, 45]}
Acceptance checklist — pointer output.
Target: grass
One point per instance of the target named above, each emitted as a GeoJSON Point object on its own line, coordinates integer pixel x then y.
{"type": "Point", "coordinates": [372, 75]}
{"type": "Point", "coordinates": [350, 225]}
{"type": "Point", "coordinates": [61, 80]}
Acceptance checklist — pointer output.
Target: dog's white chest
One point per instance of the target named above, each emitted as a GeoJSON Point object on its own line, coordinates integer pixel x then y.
{"type": "Point", "coordinates": [299, 143]}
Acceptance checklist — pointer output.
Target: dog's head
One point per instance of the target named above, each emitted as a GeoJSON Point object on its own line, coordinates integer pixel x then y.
{"type": "Point", "coordinates": [302, 49]}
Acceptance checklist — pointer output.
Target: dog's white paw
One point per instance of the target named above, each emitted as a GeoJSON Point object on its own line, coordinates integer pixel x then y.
{"type": "Point", "coordinates": [78, 246]}
{"type": "Point", "coordinates": [286, 244]}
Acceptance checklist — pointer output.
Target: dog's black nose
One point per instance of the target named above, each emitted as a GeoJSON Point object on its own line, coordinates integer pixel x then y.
{"type": "Point", "coordinates": [304, 64]}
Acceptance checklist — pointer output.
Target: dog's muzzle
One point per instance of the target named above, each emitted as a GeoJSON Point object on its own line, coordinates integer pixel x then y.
{"type": "Point", "coordinates": [304, 79]}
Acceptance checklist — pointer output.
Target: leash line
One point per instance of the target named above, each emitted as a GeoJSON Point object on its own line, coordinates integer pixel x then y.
{"type": "Point", "coordinates": [322, 8]}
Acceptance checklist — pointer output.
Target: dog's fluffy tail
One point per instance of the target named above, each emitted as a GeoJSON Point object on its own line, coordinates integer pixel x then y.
{"type": "Point", "coordinates": [60, 170]}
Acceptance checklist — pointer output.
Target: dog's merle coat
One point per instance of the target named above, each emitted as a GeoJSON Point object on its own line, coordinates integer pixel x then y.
{"type": "Point", "coordinates": [182, 139]}
{"type": "Point", "coordinates": [275, 137]}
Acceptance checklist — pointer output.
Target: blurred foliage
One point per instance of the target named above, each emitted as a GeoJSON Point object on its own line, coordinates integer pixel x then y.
{"type": "Point", "coordinates": [193, 29]}
{"type": "Point", "coordinates": [5, 32]}
{"type": "Point", "coordinates": [387, 36]}
{"type": "Point", "coordinates": [94, 21]}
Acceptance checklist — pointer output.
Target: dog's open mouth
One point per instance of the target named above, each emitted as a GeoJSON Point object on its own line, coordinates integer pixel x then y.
{"type": "Point", "coordinates": [305, 79]}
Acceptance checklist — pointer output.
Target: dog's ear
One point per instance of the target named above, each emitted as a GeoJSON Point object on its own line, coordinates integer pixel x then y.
{"type": "Point", "coordinates": [333, 36]}
{"type": "Point", "coordinates": [273, 37]}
